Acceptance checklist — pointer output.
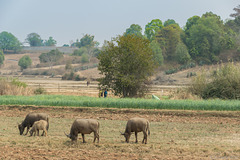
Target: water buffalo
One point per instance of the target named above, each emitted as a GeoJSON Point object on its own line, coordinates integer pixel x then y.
{"type": "Point", "coordinates": [137, 125]}
{"type": "Point", "coordinates": [30, 119]}
{"type": "Point", "coordinates": [39, 125]}
{"type": "Point", "coordinates": [84, 126]}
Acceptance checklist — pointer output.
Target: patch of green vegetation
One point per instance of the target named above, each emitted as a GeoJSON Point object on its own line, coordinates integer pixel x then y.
{"type": "Point", "coordinates": [81, 101]}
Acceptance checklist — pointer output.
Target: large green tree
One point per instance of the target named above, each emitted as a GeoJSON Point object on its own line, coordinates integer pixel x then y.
{"type": "Point", "coordinates": [182, 54]}
{"type": "Point", "coordinates": [237, 12]}
{"type": "Point", "coordinates": [126, 63]}
{"type": "Point", "coordinates": [9, 42]}
{"type": "Point", "coordinates": [134, 29]}
{"type": "Point", "coordinates": [152, 28]}
{"type": "Point", "coordinates": [234, 24]}
{"type": "Point", "coordinates": [157, 56]}
{"type": "Point", "coordinates": [34, 39]}
{"type": "Point", "coordinates": [169, 22]}
{"type": "Point", "coordinates": [50, 42]}
{"type": "Point", "coordinates": [168, 38]}
{"type": "Point", "coordinates": [25, 62]}
{"type": "Point", "coordinates": [1, 57]}
{"type": "Point", "coordinates": [86, 41]}
{"type": "Point", "coordinates": [51, 57]}
{"type": "Point", "coordinates": [87, 46]}
{"type": "Point", "coordinates": [207, 38]}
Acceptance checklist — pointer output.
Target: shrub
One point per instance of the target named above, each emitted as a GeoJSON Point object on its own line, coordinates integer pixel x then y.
{"type": "Point", "coordinates": [224, 83]}
{"type": "Point", "coordinates": [1, 57]}
{"type": "Point", "coordinates": [25, 62]}
{"type": "Point", "coordinates": [182, 67]}
{"type": "Point", "coordinates": [238, 50]}
{"type": "Point", "coordinates": [69, 76]}
{"type": "Point", "coordinates": [39, 90]}
{"type": "Point", "coordinates": [18, 83]}
{"type": "Point", "coordinates": [80, 51]}
{"type": "Point", "coordinates": [190, 74]}
{"type": "Point", "coordinates": [13, 87]}
{"type": "Point", "coordinates": [52, 56]}
{"type": "Point", "coordinates": [84, 58]}
{"type": "Point", "coordinates": [171, 71]}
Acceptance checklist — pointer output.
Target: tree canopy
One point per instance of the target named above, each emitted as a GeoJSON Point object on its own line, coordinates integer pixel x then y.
{"type": "Point", "coordinates": [9, 42]}
{"type": "Point", "coordinates": [237, 12]}
{"type": "Point", "coordinates": [134, 29]}
{"type": "Point", "coordinates": [169, 22]}
{"type": "Point", "coordinates": [126, 63]}
{"type": "Point", "coordinates": [152, 28]}
{"type": "Point", "coordinates": [50, 42]}
{"type": "Point", "coordinates": [168, 38]}
{"type": "Point", "coordinates": [52, 56]}
{"type": "Point", "coordinates": [34, 39]}
{"type": "Point", "coordinates": [207, 37]}
{"type": "Point", "coordinates": [25, 62]}
{"type": "Point", "coordinates": [86, 41]}
{"type": "Point", "coordinates": [87, 47]}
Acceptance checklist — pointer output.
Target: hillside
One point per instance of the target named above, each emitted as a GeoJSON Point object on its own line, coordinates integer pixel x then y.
{"type": "Point", "coordinates": [11, 68]}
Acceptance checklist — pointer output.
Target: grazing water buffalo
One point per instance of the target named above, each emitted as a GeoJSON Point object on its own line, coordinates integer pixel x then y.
{"type": "Point", "coordinates": [30, 119]}
{"type": "Point", "coordinates": [84, 126]}
{"type": "Point", "coordinates": [39, 125]}
{"type": "Point", "coordinates": [137, 125]}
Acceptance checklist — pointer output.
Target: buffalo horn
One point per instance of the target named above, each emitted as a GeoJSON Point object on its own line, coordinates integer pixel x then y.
{"type": "Point", "coordinates": [121, 133]}
{"type": "Point", "coordinates": [68, 135]}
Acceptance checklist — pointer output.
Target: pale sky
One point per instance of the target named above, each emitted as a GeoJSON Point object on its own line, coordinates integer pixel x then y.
{"type": "Point", "coordinates": [67, 20]}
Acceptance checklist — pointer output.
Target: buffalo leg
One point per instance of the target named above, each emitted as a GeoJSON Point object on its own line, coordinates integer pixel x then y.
{"type": "Point", "coordinates": [37, 132]}
{"type": "Point", "coordinates": [144, 137]}
{"type": "Point", "coordinates": [136, 137]}
{"type": "Point", "coordinates": [83, 138]}
{"type": "Point", "coordinates": [96, 136]}
{"type": "Point", "coordinates": [43, 133]}
{"type": "Point", "coordinates": [27, 130]}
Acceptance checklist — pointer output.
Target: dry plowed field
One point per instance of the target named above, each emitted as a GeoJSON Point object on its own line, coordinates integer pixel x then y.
{"type": "Point", "coordinates": [174, 135]}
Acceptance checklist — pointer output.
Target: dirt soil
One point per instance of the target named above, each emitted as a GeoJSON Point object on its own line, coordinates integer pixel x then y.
{"type": "Point", "coordinates": [169, 116]}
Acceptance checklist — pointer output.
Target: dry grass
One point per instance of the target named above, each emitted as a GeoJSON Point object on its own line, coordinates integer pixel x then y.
{"type": "Point", "coordinates": [7, 88]}
{"type": "Point", "coordinates": [172, 137]}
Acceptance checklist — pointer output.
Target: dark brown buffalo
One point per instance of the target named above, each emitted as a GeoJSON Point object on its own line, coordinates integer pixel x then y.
{"type": "Point", "coordinates": [30, 119]}
{"type": "Point", "coordinates": [84, 126]}
{"type": "Point", "coordinates": [137, 125]}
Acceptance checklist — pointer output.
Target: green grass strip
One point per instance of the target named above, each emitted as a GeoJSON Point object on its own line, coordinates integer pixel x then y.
{"type": "Point", "coordinates": [81, 101]}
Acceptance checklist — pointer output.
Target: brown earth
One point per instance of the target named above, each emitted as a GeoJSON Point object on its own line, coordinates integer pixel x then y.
{"type": "Point", "coordinates": [221, 142]}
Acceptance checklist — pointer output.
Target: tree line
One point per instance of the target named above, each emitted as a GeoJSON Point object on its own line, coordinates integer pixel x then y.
{"type": "Point", "coordinates": [128, 60]}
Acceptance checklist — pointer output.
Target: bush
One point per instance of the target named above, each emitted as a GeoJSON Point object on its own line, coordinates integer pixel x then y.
{"type": "Point", "coordinates": [1, 57]}
{"type": "Point", "coordinates": [25, 62]}
{"type": "Point", "coordinates": [84, 58]}
{"type": "Point", "coordinates": [238, 50]}
{"type": "Point", "coordinates": [191, 74]}
{"type": "Point", "coordinates": [40, 90]}
{"type": "Point", "coordinates": [171, 71]}
{"type": "Point", "coordinates": [13, 87]}
{"type": "Point", "coordinates": [52, 56]}
{"type": "Point", "coordinates": [80, 51]}
{"type": "Point", "coordinates": [18, 83]}
{"type": "Point", "coordinates": [182, 67]}
{"type": "Point", "coordinates": [224, 83]}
